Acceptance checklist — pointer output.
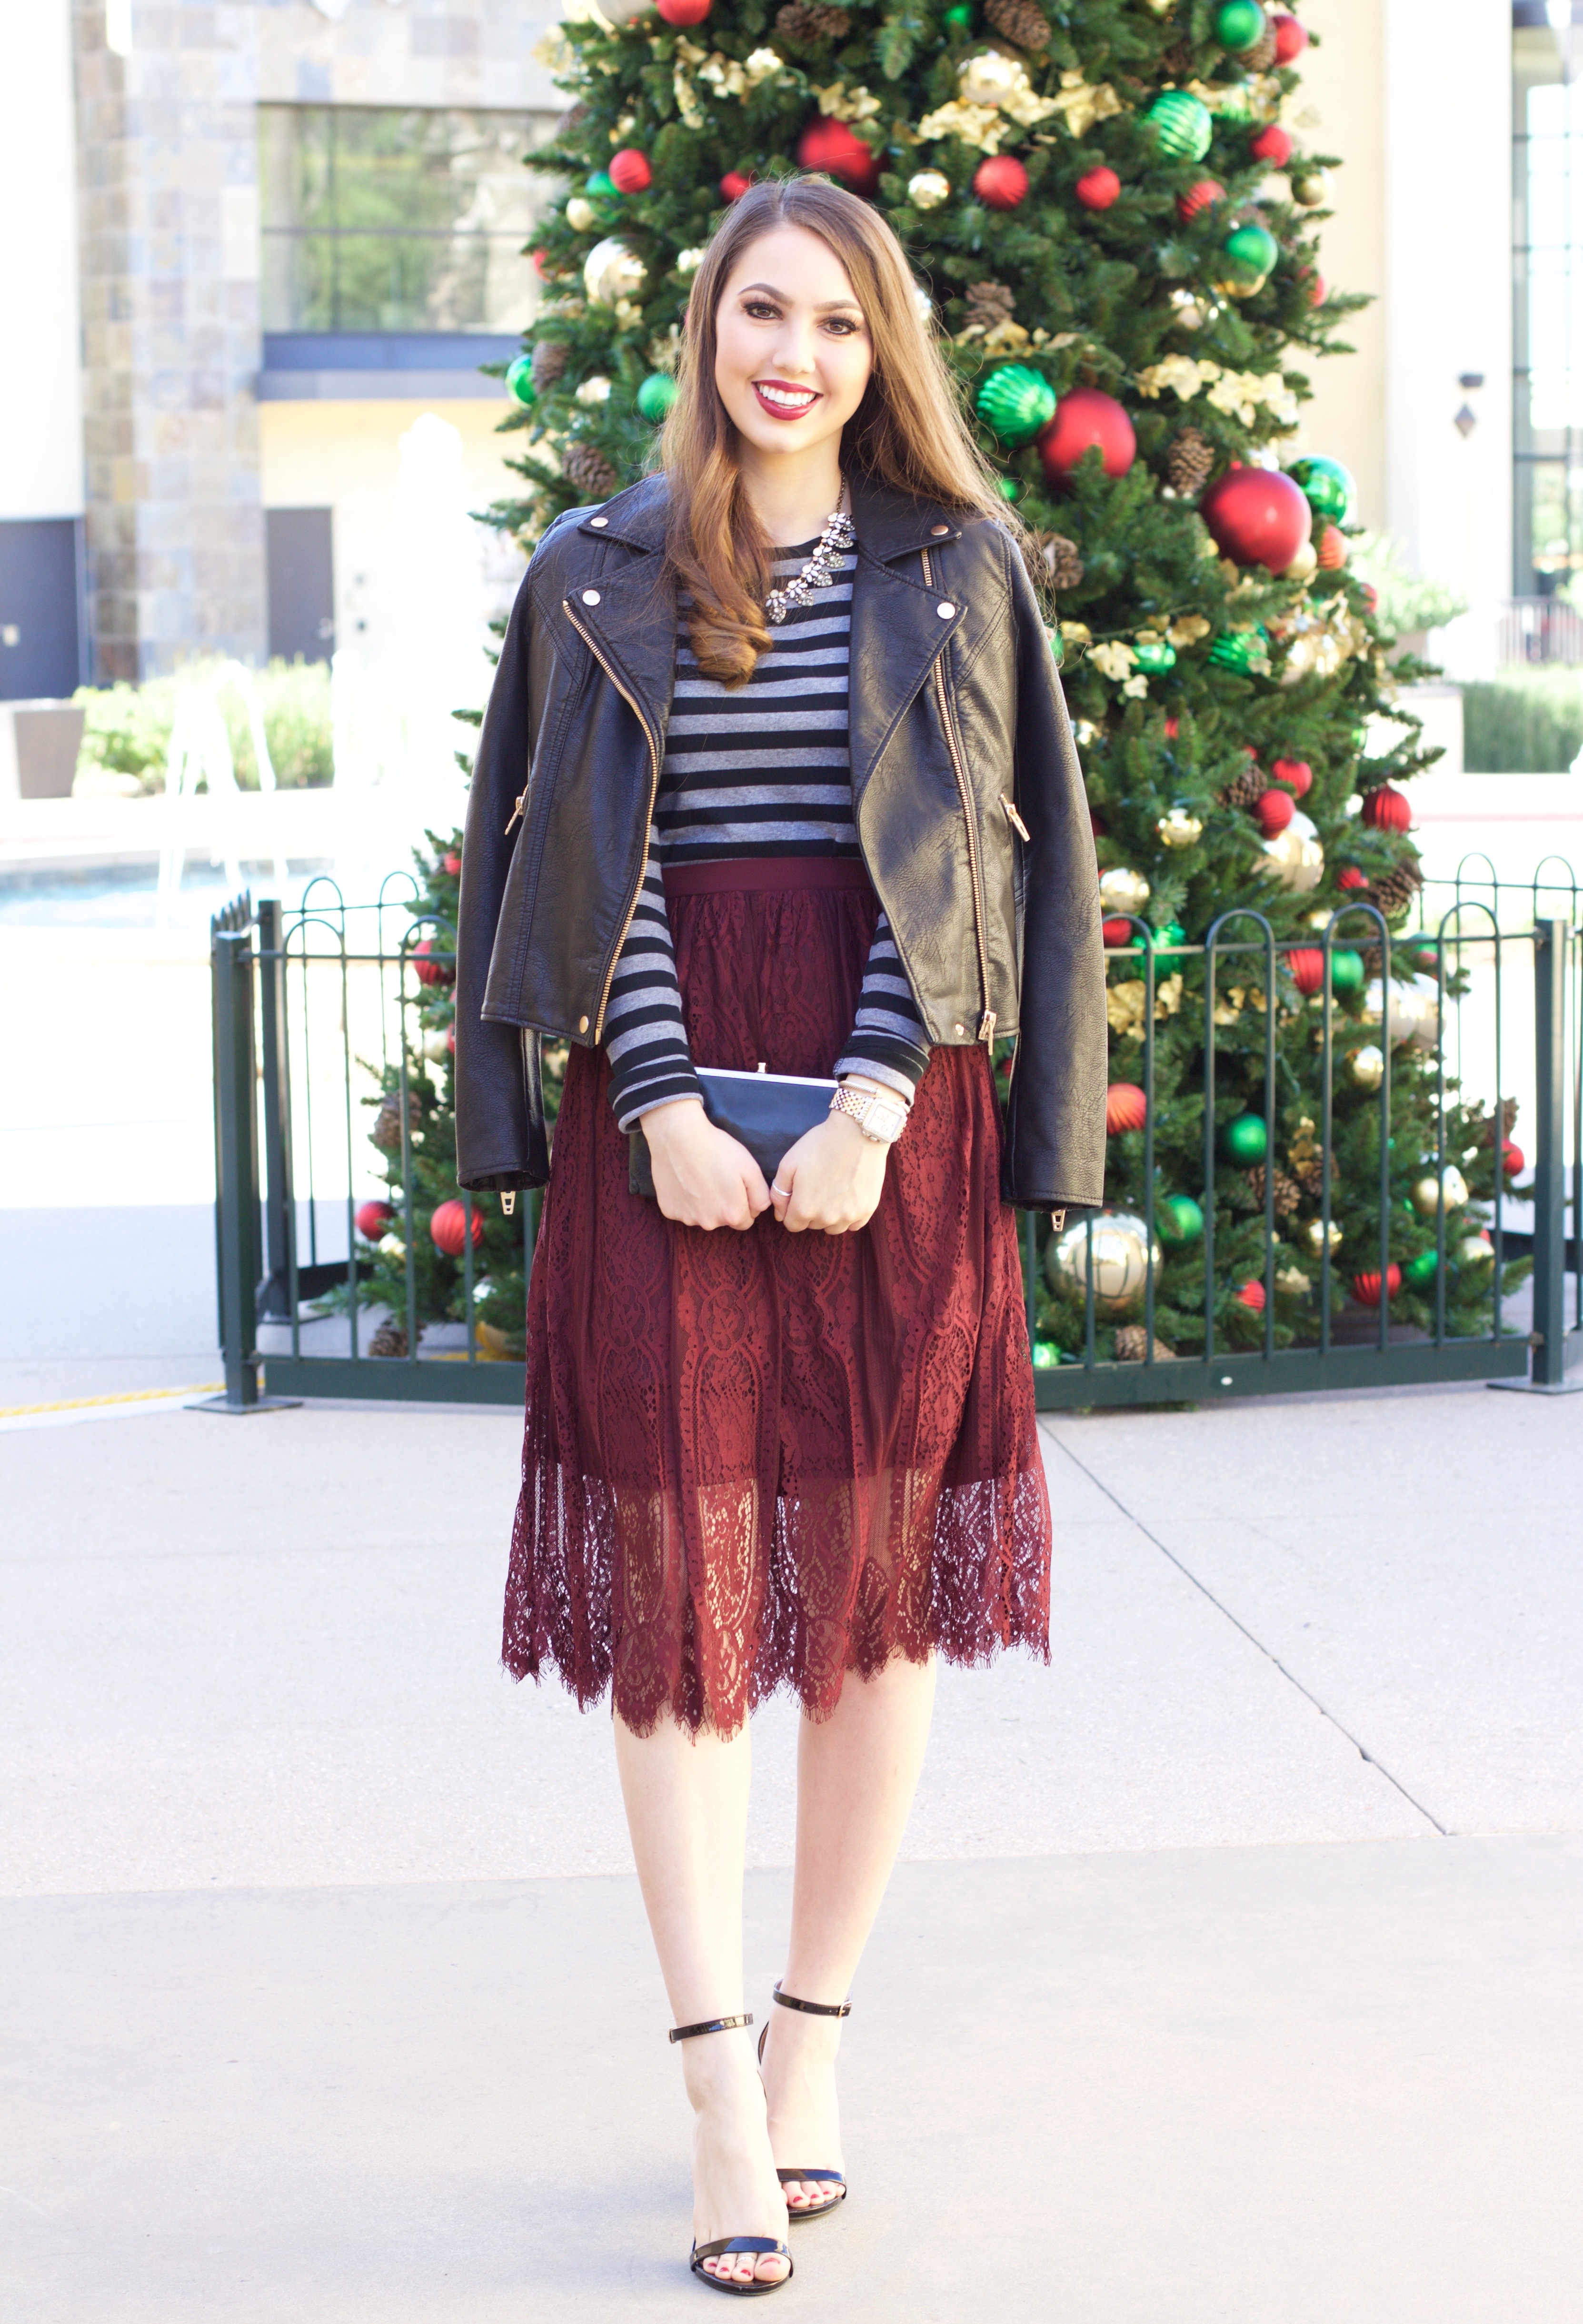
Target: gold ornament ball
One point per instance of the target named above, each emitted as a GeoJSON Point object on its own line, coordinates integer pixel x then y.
{"type": "Point", "coordinates": [1122, 889]}
{"type": "Point", "coordinates": [1366, 1067]}
{"type": "Point", "coordinates": [1313, 1235]}
{"type": "Point", "coordinates": [579, 214]}
{"type": "Point", "coordinates": [1312, 188]}
{"type": "Point", "coordinates": [1304, 565]}
{"type": "Point", "coordinates": [1450, 1186]}
{"type": "Point", "coordinates": [1411, 1012]}
{"type": "Point", "coordinates": [1179, 828]}
{"type": "Point", "coordinates": [1294, 857]}
{"type": "Point", "coordinates": [1121, 1259]}
{"type": "Point", "coordinates": [926, 189]}
{"type": "Point", "coordinates": [990, 79]}
{"type": "Point", "coordinates": [1474, 1248]}
{"type": "Point", "coordinates": [612, 272]}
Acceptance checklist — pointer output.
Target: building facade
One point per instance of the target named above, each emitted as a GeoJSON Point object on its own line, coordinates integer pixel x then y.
{"type": "Point", "coordinates": [252, 253]}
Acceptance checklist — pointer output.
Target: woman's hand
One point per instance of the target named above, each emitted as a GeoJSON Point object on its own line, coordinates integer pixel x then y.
{"type": "Point", "coordinates": [702, 1178]}
{"type": "Point", "coordinates": [833, 1178]}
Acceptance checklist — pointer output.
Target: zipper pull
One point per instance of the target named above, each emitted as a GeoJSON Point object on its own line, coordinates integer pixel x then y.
{"type": "Point", "coordinates": [516, 816]}
{"type": "Point", "coordinates": [508, 1202]}
{"type": "Point", "coordinates": [1015, 820]}
{"type": "Point", "coordinates": [987, 1025]}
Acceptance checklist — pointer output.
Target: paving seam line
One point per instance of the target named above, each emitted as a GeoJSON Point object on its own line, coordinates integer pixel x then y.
{"type": "Point", "coordinates": [90, 1403]}
{"type": "Point", "coordinates": [1221, 1608]}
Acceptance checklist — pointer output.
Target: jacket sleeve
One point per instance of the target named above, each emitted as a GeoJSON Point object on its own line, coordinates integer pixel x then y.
{"type": "Point", "coordinates": [501, 1141]}
{"type": "Point", "coordinates": [1055, 1143]}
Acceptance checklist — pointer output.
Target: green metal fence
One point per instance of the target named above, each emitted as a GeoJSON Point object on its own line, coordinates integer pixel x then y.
{"type": "Point", "coordinates": [315, 1011]}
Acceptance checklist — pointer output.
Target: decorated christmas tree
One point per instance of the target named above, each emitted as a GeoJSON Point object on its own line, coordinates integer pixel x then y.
{"type": "Point", "coordinates": [1109, 212]}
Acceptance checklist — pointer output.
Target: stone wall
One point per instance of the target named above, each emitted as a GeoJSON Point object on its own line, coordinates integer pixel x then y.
{"type": "Point", "coordinates": [168, 171]}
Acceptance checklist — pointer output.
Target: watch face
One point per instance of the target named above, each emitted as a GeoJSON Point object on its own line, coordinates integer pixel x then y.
{"type": "Point", "coordinates": [886, 1121]}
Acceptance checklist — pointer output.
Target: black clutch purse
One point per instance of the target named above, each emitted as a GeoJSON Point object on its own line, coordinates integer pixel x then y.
{"type": "Point", "coordinates": [765, 1112]}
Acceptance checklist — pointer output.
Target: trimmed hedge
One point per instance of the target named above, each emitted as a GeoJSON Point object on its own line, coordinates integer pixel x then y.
{"type": "Point", "coordinates": [1528, 722]}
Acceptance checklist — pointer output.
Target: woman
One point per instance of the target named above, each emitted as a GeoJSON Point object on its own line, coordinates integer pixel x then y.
{"type": "Point", "coordinates": [776, 772]}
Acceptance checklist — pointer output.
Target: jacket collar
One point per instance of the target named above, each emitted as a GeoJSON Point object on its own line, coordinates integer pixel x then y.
{"type": "Point", "coordinates": [888, 524]}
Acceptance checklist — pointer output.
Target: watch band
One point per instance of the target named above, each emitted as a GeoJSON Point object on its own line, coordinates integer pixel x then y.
{"type": "Point", "coordinates": [880, 1116]}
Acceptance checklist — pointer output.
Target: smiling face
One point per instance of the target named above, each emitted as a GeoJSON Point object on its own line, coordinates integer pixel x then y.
{"type": "Point", "coordinates": [793, 350]}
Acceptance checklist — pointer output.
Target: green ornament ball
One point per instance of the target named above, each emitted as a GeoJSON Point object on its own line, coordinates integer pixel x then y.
{"type": "Point", "coordinates": [1240, 24]}
{"type": "Point", "coordinates": [1246, 1139]}
{"type": "Point", "coordinates": [959, 15]}
{"type": "Point", "coordinates": [1242, 650]}
{"type": "Point", "coordinates": [1179, 1220]}
{"type": "Point", "coordinates": [1017, 401]}
{"type": "Point", "coordinates": [1046, 1354]}
{"type": "Point", "coordinates": [1326, 486]}
{"type": "Point", "coordinates": [657, 394]}
{"type": "Point", "coordinates": [1346, 972]}
{"type": "Point", "coordinates": [1253, 248]}
{"type": "Point", "coordinates": [1010, 488]}
{"type": "Point", "coordinates": [1171, 937]}
{"type": "Point", "coordinates": [1182, 125]}
{"type": "Point", "coordinates": [1424, 1267]}
{"type": "Point", "coordinates": [599, 181]}
{"type": "Point", "coordinates": [1154, 659]}
{"type": "Point", "coordinates": [519, 379]}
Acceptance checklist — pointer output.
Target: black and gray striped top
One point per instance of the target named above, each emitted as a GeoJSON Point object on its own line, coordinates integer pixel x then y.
{"type": "Point", "coordinates": [762, 769]}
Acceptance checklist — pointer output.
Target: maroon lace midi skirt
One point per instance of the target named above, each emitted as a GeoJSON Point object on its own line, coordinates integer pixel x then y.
{"type": "Point", "coordinates": [762, 1460]}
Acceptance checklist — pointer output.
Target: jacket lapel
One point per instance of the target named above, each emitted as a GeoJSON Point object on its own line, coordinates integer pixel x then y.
{"type": "Point", "coordinates": [898, 630]}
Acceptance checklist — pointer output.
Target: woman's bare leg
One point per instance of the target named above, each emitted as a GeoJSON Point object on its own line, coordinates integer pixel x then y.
{"type": "Point", "coordinates": [856, 1771]}
{"type": "Point", "coordinates": [687, 1811]}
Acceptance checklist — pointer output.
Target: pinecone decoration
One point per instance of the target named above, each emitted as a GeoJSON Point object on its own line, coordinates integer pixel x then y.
{"type": "Point", "coordinates": [988, 304]}
{"type": "Point", "coordinates": [1310, 1174]}
{"type": "Point", "coordinates": [586, 467]}
{"type": "Point", "coordinates": [1132, 1345]}
{"type": "Point", "coordinates": [389, 1338]}
{"type": "Point", "coordinates": [803, 27]}
{"type": "Point", "coordinates": [1061, 561]}
{"type": "Point", "coordinates": [1247, 790]}
{"type": "Point", "coordinates": [1288, 1191]}
{"type": "Point", "coordinates": [1189, 458]}
{"type": "Point", "coordinates": [386, 1132]}
{"type": "Point", "coordinates": [1394, 889]}
{"type": "Point", "coordinates": [1262, 55]}
{"type": "Point", "coordinates": [549, 362]}
{"type": "Point", "coordinates": [1020, 22]}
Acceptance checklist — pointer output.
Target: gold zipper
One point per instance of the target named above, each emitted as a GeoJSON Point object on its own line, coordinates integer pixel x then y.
{"type": "Point", "coordinates": [1015, 820]}
{"type": "Point", "coordinates": [516, 816]}
{"type": "Point", "coordinates": [648, 818]}
{"type": "Point", "coordinates": [987, 1021]}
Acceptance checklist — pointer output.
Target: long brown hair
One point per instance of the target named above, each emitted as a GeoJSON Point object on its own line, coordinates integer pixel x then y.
{"type": "Point", "coordinates": [908, 431]}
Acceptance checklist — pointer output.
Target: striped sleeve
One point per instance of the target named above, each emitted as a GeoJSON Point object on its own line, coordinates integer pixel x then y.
{"type": "Point", "coordinates": [887, 1042]}
{"type": "Point", "coordinates": [645, 1038]}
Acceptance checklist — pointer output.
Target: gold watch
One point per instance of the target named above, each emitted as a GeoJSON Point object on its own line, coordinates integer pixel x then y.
{"type": "Point", "coordinates": [879, 1114]}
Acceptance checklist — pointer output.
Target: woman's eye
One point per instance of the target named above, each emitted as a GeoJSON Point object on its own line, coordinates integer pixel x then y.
{"type": "Point", "coordinates": [761, 311]}
{"type": "Point", "coordinates": [843, 326]}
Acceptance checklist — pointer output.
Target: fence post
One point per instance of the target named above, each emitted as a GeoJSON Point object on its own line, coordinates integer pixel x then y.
{"type": "Point", "coordinates": [1551, 945]}
{"type": "Point", "coordinates": [271, 992]}
{"type": "Point", "coordinates": [237, 1205]}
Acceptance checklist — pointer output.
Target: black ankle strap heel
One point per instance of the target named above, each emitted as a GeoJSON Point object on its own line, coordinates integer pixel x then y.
{"type": "Point", "coordinates": [727, 2244]}
{"type": "Point", "coordinates": [788, 2178]}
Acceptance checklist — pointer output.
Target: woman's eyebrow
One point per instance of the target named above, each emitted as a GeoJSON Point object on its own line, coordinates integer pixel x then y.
{"type": "Point", "coordinates": [828, 306]}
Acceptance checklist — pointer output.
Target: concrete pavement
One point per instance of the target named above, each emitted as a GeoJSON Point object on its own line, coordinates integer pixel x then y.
{"type": "Point", "coordinates": [1231, 1973]}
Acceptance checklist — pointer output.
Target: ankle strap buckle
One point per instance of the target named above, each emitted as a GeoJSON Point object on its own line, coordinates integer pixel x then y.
{"type": "Point", "coordinates": [708, 2025]}
{"type": "Point", "coordinates": [814, 2009]}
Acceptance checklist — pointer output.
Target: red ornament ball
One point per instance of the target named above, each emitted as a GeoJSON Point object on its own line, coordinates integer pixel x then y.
{"type": "Point", "coordinates": [449, 1227]}
{"type": "Point", "coordinates": [1290, 37]}
{"type": "Point", "coordinates": [1086, 416]}
{"type": "Point", "coordinates": [832, 147]}
{"type": "Point", "coordinates": [683, 12]}
{"type": "Point", "coordinates": [629, 171]}
{"type": "Point", "coordinates": [1257, 516]}
{"type": "Point", "coordinates": [1199, 198]}
{"type": "Point", "coordinates": [432, 971]}
{"type": "Point", "coordinates": [1351, 877]}
{"type": "Point", "coordinates": [1272, 144]}
{"type": "Point", "coordinates": [1308, 968]}
{"type": "Point", "coordinates": [452, 864]}
{"type": "Point", "coordinates": [1273, 811]}
{"type": "Point", "coordinates": [1172, 729]}
{"type": "Point", "coordinates": [734, 184]}
{"type": "Point", "coordinates": [1316, 288]}
{"type": "Point", "coordinates": [1331, 551]}
{"type": "Point", "coordinates": [1296, 774]}
{"type": "Point", "coordinates": [1371, 596]}
{"type": "Point", "coordinates": [1513, 1161]}
{"type": "Point", "coordinates": [1001, 181]}
{"type": "Point", "coordinates": [1387, 809]}
{"type": "Point", "coordinates": [1117, 933]}
{"type": "Point", "coordinates": [1096, 188]}
{"type": "Point", "coordinates": [1365, 1288]}
{"type": "Point", "coordinates": [1125, 1107]}
{"type": "Point", "coordinates": [372, 1219]}
{"type": "Point", "coordinates": [1251, 1296]}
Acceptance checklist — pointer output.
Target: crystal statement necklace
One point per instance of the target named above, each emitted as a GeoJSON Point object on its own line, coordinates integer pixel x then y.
{"type": "Point", "coordinates": [819, 572]}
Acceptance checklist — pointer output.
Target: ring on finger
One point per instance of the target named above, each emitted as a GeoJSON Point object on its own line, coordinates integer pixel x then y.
{"type": "Point", "coordinates": [784, 1191]}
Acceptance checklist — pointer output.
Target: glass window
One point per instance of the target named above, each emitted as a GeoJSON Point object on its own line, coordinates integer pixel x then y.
{"type": "Point", "coordinates": [1548, 335]}
{"type": "Point", "coordinates": [380, 219]}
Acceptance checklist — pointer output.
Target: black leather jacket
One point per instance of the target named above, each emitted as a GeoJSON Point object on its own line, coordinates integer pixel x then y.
{"type": "Point", "coordinates": [967, 795]}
